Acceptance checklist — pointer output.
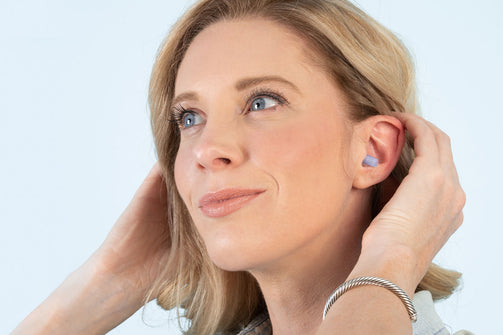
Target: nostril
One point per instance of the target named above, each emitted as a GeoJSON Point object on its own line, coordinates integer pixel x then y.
{"type": "Point", "coordinates": [226, 161]}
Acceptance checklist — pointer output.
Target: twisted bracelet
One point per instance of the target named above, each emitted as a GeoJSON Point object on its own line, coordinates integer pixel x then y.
{"type": "Point", "coordinates": [371, 281]}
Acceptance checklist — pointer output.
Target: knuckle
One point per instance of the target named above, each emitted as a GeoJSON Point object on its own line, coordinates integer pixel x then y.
{"type": "Point", "coordinates": [443, 138]}
{"type": "Point", "coordinates": [459, 200]}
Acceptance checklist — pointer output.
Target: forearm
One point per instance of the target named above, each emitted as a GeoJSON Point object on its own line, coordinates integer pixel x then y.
{"type": "Point", "coordinates": [371, 309]}
{"type": "Point", "coordinates": [89, 301]}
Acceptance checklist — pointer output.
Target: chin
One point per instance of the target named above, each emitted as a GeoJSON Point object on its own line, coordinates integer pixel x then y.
{"type": "Point", "coordinates": [234, 257]}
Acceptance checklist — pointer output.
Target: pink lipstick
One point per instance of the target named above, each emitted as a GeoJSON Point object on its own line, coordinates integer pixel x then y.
{"type": "Point", "coordinates": [225, 202]}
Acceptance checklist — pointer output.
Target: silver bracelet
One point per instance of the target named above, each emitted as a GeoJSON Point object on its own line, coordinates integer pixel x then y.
{"type": "Point", "coordinates": [371, 281]}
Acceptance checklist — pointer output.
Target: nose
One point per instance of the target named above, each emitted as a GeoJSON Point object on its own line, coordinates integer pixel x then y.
{"type": "Point", "coordinates": [219, 147]}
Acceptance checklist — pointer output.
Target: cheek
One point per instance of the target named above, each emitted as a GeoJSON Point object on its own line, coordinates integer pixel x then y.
{"type": "Point", "coordinates": [181, 169]}
{"type": "Point", "coordinates": [307, 162]}
{"type": "Point", "coordinates": [311, 152]}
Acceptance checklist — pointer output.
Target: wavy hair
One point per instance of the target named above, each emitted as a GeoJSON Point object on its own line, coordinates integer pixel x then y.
{"type": "Point", "coordinates": [369, 64]}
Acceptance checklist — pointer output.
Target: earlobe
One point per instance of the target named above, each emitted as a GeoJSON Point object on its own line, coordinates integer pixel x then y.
{"type": "Point", "coordinates": [383, 139]}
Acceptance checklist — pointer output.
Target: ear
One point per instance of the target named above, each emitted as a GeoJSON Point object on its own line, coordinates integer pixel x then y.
{"type": "Point", "coordinates": [382, 137]}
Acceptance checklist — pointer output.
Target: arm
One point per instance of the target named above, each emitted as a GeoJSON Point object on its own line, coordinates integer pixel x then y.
{"type": "Point", "coordinates": [87, 302]}
{"type": "Point", "coordinates": [402, 240]}
{"type": "Point", "coordinates": [112, 284]}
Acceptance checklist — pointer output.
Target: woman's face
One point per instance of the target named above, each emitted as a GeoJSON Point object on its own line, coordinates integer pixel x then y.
{"type": "Point", "coordinates": [264, 163]}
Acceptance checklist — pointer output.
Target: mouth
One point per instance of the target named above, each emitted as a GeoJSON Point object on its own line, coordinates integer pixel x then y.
{"type": "Point", "coordinates": [225, 202]}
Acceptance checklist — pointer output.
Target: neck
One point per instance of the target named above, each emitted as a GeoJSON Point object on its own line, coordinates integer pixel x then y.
{"type": "Point", "coordinates": [296, 288]}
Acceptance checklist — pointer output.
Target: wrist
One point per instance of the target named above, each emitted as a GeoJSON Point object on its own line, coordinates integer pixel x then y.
{"type": "Point", "coordinates": [397, 264]}
{"type": "Point", "coordinates": [113, 289]}
{"type": "Point", "coordinates": [90, 301]}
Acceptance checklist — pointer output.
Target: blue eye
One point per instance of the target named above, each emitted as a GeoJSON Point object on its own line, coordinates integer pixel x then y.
{"type": "Point", "coordinates": [262, 103]}
{"type": "Point", "coordinates": [190, 119]}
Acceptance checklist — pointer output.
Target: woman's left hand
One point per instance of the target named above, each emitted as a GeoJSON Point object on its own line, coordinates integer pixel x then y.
{"type": "Point", "coordinates": [424, 212]}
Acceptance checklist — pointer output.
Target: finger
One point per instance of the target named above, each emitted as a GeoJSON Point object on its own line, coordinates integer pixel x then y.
{"type": "Point", "coordinates": [445, 152]}
{"type": "Point", "coordinates": [153, 184]}
{"type": "Point", "coordinates": [155, 171]}
{"type": "Point", "coordinates": [425, 143]}
{"type": "Point", "coordinates": [444, 143]}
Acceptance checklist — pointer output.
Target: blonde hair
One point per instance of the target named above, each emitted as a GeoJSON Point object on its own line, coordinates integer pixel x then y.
{"type": "Point", "coordinates": [368, 63]}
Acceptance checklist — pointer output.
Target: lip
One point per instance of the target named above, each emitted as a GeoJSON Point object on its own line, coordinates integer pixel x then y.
{"type": "Point", "coordinates": [225, 202]}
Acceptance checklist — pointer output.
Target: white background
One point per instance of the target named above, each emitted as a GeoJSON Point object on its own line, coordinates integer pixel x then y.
{"type": "Point", "coordinates": [75, 141]}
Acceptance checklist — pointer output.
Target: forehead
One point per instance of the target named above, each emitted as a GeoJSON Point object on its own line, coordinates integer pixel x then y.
{"type": "Point", "coordinates": [228, 50]}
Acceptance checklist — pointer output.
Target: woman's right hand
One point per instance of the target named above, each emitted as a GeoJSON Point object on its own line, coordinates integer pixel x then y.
{"type": "Point", "coordinates": [112, 284]}
{"type": "Point", "coordinates": [137, 247]}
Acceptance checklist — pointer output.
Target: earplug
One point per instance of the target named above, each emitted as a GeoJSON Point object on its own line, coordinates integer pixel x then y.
{"type": "Point", "coordinates": [370, 161]}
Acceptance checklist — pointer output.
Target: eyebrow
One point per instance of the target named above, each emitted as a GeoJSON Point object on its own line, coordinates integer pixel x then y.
{"type": "Point", "coordinates": [248, 82]}
{"type": "Point", "coordinates": [241, 85]}
{"type": "Point", "coordinates": [184, 96]}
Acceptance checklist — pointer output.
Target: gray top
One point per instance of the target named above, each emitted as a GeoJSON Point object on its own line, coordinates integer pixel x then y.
{"type": "Point", "coordinates": [428, 322]}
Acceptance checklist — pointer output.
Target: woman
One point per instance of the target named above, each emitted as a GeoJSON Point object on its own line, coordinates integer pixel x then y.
{"type": "Point", "coordinates": [280, 130]}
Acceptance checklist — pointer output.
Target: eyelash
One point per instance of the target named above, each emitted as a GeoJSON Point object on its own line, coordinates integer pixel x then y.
{"type": "Point", "coordinates": [177, 115]}
{"type": "Point", "coordinates": [179, 111]}
{"type": "Point", "coordinates": [265, 92]}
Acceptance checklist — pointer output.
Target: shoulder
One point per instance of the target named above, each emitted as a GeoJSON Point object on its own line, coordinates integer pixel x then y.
{"type": "Point", "coordinates": [428, 322]}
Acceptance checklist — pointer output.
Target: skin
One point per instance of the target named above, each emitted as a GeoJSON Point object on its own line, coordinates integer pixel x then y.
{"type": "Point", "coordinates": [230, 148]}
